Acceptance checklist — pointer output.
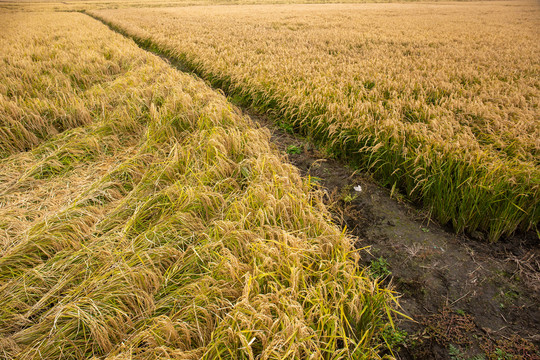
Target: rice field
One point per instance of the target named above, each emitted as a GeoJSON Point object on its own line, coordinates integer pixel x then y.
{"type": "Point", "coordinates": [143, 217]}
{"type": "Point", "coordinates": [82, 5]}
{"type": "Point", "coordinates": [43, 89]}
{"type": "Point", "coordinates": [438, 101]}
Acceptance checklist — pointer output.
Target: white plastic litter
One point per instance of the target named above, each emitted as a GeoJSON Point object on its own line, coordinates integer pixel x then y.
{"type": "Point", "coordinates": [358, 188]}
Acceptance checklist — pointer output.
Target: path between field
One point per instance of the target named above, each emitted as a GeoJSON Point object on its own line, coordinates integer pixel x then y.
{"type": "Point", "coordinates": [466, 297]}
{"type": "Point", "coordinates": [475, 296]}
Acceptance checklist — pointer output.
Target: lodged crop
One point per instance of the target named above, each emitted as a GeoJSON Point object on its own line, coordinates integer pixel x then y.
{"type": "Point", "coordinates": [49, 75]}
{"type": "Point", "coordinates": [166, 226]}
{"type": "Point", "coordinates": [440, 101]}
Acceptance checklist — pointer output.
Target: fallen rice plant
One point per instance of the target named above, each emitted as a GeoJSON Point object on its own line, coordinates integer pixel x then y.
{"type": "Point", "coordinates": [440, 101]}
{"type": "Point", "coordinates": [167, 227]}
{"type": "Point", "coordinates": [50, 82]}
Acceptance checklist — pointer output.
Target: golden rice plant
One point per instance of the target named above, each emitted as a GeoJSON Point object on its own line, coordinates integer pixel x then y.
{"type": "Point", "coordinates": [82, 5]}
{"type": "Point", "coordinates": [167, 226]}
{"type": "Point", "coordinates": [439, 101]}
{"type": "Point", "coordinates": [48, 80]}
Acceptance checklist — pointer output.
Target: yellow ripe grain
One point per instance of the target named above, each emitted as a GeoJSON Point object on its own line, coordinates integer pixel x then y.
{"type": "Point", "coordinates": [331, 53]}
{"type": "Point", "coordinates": [451, 88]}
{"type": "Point", "coordinates": [165, 225]}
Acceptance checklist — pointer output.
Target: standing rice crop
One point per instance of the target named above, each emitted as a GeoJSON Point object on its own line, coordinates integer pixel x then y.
{"type": "Point", "coordinates": [440, 101]}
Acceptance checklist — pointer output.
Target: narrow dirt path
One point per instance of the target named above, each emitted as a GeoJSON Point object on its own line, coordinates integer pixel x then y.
{"type": "Point", "coordinates": [468, 299]}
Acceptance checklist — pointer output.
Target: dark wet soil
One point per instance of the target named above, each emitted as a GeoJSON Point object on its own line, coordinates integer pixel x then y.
{"type": "Point", "coordinates": [468, 299]}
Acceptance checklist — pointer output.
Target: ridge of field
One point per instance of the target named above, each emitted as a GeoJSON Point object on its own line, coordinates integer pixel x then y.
{"type": "Point", "coordinates": [437, 100]}
{"type": "Point", "coordinates": [167, 226]}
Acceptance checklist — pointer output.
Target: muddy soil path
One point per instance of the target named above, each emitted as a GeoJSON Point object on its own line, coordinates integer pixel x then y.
{"type": "Point", "coordinates": [468, 299]}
